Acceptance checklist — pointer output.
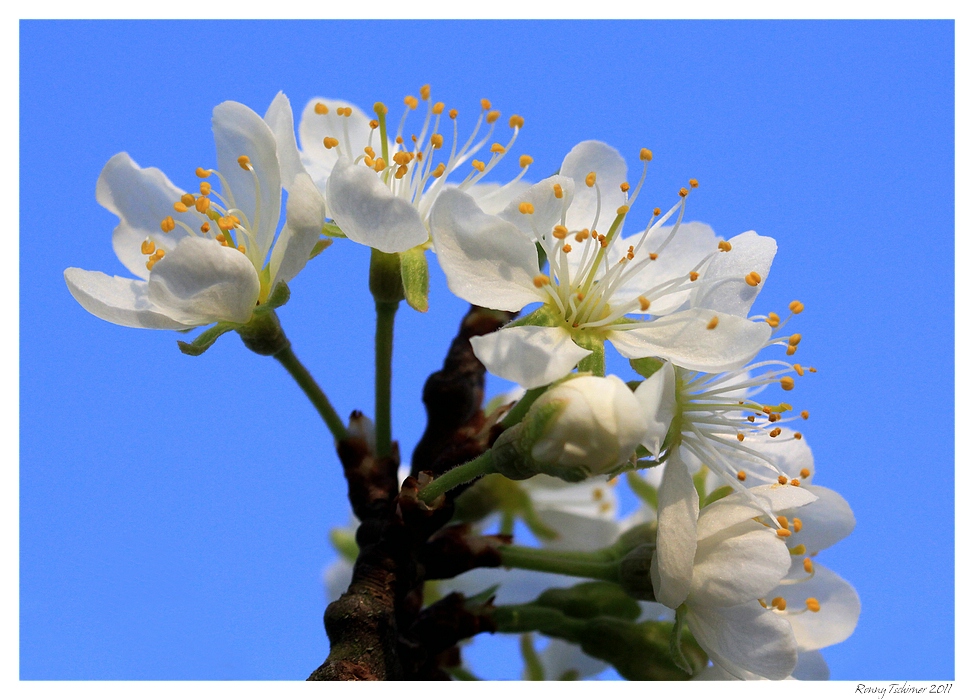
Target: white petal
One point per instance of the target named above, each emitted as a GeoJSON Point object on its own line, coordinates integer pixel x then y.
{"type": "Point", "coordinates": [738, 564]}
{"type": "Point", "coordinates": [559, 658]}
{"type": "Point", "coordinates": [657, 397]}
{"type": "Point", "coordinates": [201, 282]}
{"type": "Point", "coordinates": [789, 455]}
{"type": "Point", "coordinates": [548, 209]}
{"type": "Point", "coordinates": [305, 216]}
{"type": "Point", "coordinates": [531, 356]}
{"type": "Point", "coordinates": [578, 533]}
{"type": "Point", "coordinates": [811, 667]}
{"type": "Point", "coordinates": [492, 197]}
{"type": "Point", "coordinates": [487, 261]}
{"type": "Point", "coordinates": [753, 503]}
{"type": "Point", "coordinates": [280, 119]}
{"type": "Point", "coordinates": [610, 172]}
{"type": "Point", "coordinates": [239, 131]}
{"type": "Point", "coordinates": [722, 286]}
{"type": "Point", "coordinates": [369, 213]}
{"type": "Point", "coordinates": [685, 340]}
{"type": "Point", "coordinates": [824, 522]}
{"type": "Point", "coordinates": [314, 127]}
{"type": "Point", "coordinates": [691, 245]}
{"type": "Point", "coordinates": [745, 639]}
{"type": "Point", "coordinates": [676, 538]}
{"type": "Point", "coordinates": [839, 607]}
{"type": "Point", "coordinates": [117, 300]}
{"type": "Point", "coordinates": [141, 198]}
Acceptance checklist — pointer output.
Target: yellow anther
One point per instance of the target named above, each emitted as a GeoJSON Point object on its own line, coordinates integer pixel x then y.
{"type": "Point", "coordinates": [684, 191]}
{"type": "Point", "coordinates": [566, 248]}
{"type": "Point", "coordinates": [643, 303]}
{"type": "Point", "coordinates": [712, 323]}
{"type": "Point", "coordinates": [221, 238]}
{"type": "Point", "coordinates": [402, 157]}
{"type": "Point", "coordinates": [798, 368]}
{"type": "Point", "coordinates": [723, 246]}
{"type": "Point", "coordinates": [497, 148]}
{"type": "Point", "coordinates": [370, 152]}
{"type": "Point", "coordinates": [782, 520]}
{"type": "Point", "coordinates": [775, 432]}
{"type": "Point", "coordinates": [244, 162]}
{"type": "Point", "coordinates": [399, 140]}
{"type": "Point", "coordinates": [452, 114]}
{"type": "Point", "coordinates": [657, 211]}
{"type": "Point", "coordinates": [763, 603]}
{"type": "Point", "coordinates": [795, 339]}
{"type": "Point", "coordinates": [796, 307]}
{"type": "Point", "coordinates": [525, 208]}
{"type": "Point", "coordinates": [205, 188]}
{"type": "Point", "coordinates": [159, 254]}
{"type": "Point", "coordinates": [485, 104]}
{"type": "Point", "coordinates": [752, 278]}
{"type": "Point", "coordinates": [203, 172]}
{"type": "Point", "coordinates": [796, 482]}
{"type": "Point", "coordinates": [787, 383]}
{"type": "Point", "coordinates": [630, 254]}
{"type": "Point", "coordinates": [148, 247]}
{"type": "Point", "coordinates": [773, 319]}
{"type": "Point", "coordinates": [812, 370]}
{"type": "Point", "coordinates": [694, 276]}
{"type": "Point", "coordinates": [741, 475]}
{"type": "Point", "coordinates": [782, 479]}
{"type": "Point", "coordinates": [242, 248]}
{"type": "Point", "coordinates": [808, 566]}
{"type": "Point", "coordinates": [330, 142]}
{"type": "Point", "coordinates": [559, 192]}
{"type": "Point", "coordinates": [368, 162]}
{"type": "Point", "coordinates": [645, 154]}
{"type": "Point", "coordinates": [150, 263]}
{"type": "Point", "coordinates": [797, 436]}
{"type": "Point", "coordinates": [180, 207]}
{"type": "Point", "coordinates": [373, 124]}
{"type": "Point", "coordinates": [805, 473]}
{"type": "Point", "coordinates": [580, 296]}
{"type": "Point", "coordinates": [424, 92]}
{"type": "Point", "coordinates": [167, 225]}
{"type": "Point", "coordinates": [411, 102]}
{"type": "Point", "coordinates": [380, 164]}
{"type": "Point", "coordinates": [202, 204]}
{"type": "Point", "coordinates": [653, 256]}
{"type": "Point", "coordinates": [581, 235]}
{"type": "Point", "coordinates": [796, 524]}
{"type": "Point", "coordinates": [750, 419]}
{"type": "Point", "coordinates": [401, 172]}
{"type": "Point", "coordinates": [624, 187]}
{"type": "Point", "coordinates": [791, 350]}
{"type": "Point", "coordinates": [797, 550]}
{"type": "Point", "coordinates": [379, 108]}
{"type": "Point", "coordinates": [781, 604]}
{"type": "Point", "coordinates": [478, 165]}
{"type": "Point", "coordinates": [541, 280]}
{"type": "Point", "coordinates": [516, 121]}
{"type": "Point", "coordinates": [205, 228]}
{"type": "Point", "coordinates": [438, 170]}
{"type": "Point", "coordinates": [784, 532]}
{"type": "Point", "coordinates": [559, 232]}
{"type": "Point", "coordinates": [622, 210]}
{"type": "Point", "coordinates": [590, 179]}
{"type": "Point", "coordinates": [437, 140]}
{"type": "Point", "coordinates": [597, 494]}
{"type": "Point", "coordinates": [693, 183]}
{"type": "Point", "coordinates": [321, 108]}
{"type": "Point", "coordinates": [348, 112]}
{"type": "Point", "coordinates": [740, 437]}
{"type": "Point", "coordinates": [524, 161]}
{"type": "Point", "coordinates": [188, 199]}
{"type": "Point", "coordinates": [493, 116]}
{"type": "Point", "coordinates": [812, 604]}
{"type": "Point", "coordinates": [438, 108]}
{"type": "Point", "coordinates": [603, 242]}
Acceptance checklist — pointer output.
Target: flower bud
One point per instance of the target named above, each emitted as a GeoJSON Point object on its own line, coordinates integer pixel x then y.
{"type": "Point", "coordinates": [589, 424]}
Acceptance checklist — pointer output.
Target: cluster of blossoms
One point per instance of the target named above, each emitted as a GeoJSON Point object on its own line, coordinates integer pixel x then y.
{"type": "Point", "coordinates": [724, 544]}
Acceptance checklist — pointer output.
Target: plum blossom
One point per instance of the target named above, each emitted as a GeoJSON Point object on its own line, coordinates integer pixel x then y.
{"type": "Point", "coordinates": [671, 291]}
{"type": "Point", "coordinates": [206, 256]}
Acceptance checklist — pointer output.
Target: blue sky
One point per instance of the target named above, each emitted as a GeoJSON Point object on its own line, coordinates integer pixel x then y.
{"type": "Point", "coordinates": [174, 511]}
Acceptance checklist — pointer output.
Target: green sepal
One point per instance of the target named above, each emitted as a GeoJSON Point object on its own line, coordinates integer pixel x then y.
{"type": "Point", "coordinates": [204, 340]}
{"type": "Point", "coordinates": [416, 278]}
{"type": "Point", "coordinates": [542, 256]}
{"type": "Point", "coordinates": [594, 341]}
{"type": "Point", "coordinates": [676, 641]}
{"type": "Point", "coordinates": [280, 295]}
{"type": "Point", "coordinates": [591, 599]}
{"type": "Point", "coordinates": [320, 246]}
{"type": "Point", "coordinates": [646, 366]}
{"type": "Point", "coordinates": [385, 277]}
{"type": "Point", "coordinates": [343, 540]}
{"type": "Point", "coordinates": [544, 316]}
{"type": "Point", "coordinates": [716, 495]}
{"type": "Point", "coordinates": [332, 229]}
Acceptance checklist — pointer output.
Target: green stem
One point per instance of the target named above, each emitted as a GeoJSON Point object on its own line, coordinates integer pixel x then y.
{"type": "Point", "coordinates": [582, 564]}
{"type": "Point", "coordinates": [519, 410]}
{"type": "Point", "coordinates": [458, 475]}
{"type": "Point", "coordinates": [385, 316]}
{"type": "Point", "coordinates": [314, 393]}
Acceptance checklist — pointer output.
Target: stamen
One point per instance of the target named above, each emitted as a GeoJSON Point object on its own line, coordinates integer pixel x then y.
{"type": "Point", "coordinates": [804, 415]}
{"type": "Point", "coordinates": [167, 225]}
{"type": "Point", "coordinates": [783, 532]}
{"type": "Point", "coordinates": [516, 121]}
{"type": "Point", "coordinates": [180, 207]}
{"type": "Point", "coordinates": [524, 207]}
{"type": "Point", "coordinates": [321, 108]}
{"type": "Point", "coordinates": [753, 279]}
{"type": "Point", "coordinates": [693, 183]}
{"type": "Point", "coordinates": [808, 566]}
{"type": "Point", "coordinates": [330, 142]}
{"type": "Point", "coordinates": [813, 605]}
{"type": "Point", "coordinates": [244, 162]}
{"type": "Point", "coordinates": [438, 108]}
{"type": "Point", "coordinates": [796, 482]}
{"type": "Point", "coordinates": [188, 199]}
{"type": "Point", "coordinates": [559, 232]}
{"type": "Point", "coordinates": [797, 436]}
{"type": "Point", "coordinates": [590, 179]}
{"type": "Point", "coordinates": [805, 473]}
{"type": "Point", "coordinates": [694, 276]}
{"type": "Point", "coordinates": [787, 383]}
{"type": "Point", "coordinates": [773, 319]}
{"type": "Point", "coordinates": [478, 165]}
{"type": "Point", "coordinates": [541, 280]}
{"type": "Point", "coordinates": [741, 476]}
{"type": "Point", "coordinates": [797, 524]}
{"type": "Point", "coordinates": [424, 92]}
{"type": "Point", "coordinates": [657, 211]}
{"type": "Point", "coordinates": [684, 191]}
{"type": "Point", "coordinates": [493, 116]}
{"type": "Point", "coordinates": [645, 154]}
{"type": "Point", "coordinates": [783, 521]}
{"type": "Point", "coordinates": [205, 188]}
{"type": "Point", "coordinates": [497, 148]}
{"type": "Point", "coordinates": [624, 187]}
{"type": "Point", "coordinates": [203, 172]}
{"type": "Point", "coordinates": [438, 170]}
{"type": "Point", "coordinates": [740, 437]}
{"type": "Point", "coordinates": [452, 114]}
{"type": "Point", "coordinates": [779, 603]}
{"type": "Point", "coordinates": [712, 323]}
{"type": "Point", "coordinates": [724, 246]}
{"type": "Point", "coordinates": [566, 248]}
{"type": "Point", "coordinates": [202, 204]}
{"type": "Point", "coordinates": [643, 303]}
{"type": "Point", "coordinates": [148, 247]}
{"type": "Point", "coordinates": [436, 140]}
{"type": "Point", "coordinates": [485, 104]}
{"type": "Point", "coordinates": [798, 368]}
{"type": "Point", "coordinates": [795, 339]}
{"type": "Point", "coordinates": [205, 228]}
{"type": "Point", "coordinates": [775, 433]}
{"type": "Point", "coordinates": [411, 102]}
{"type": "Point", "coordinates": [797, 550]}
{"type": "Point", "coordinates": [796, 307]}
{"type": "Point", "coordinates": [559, 193]}
{"type": "Point", "coordinates": [525, 161]}
{"type": "Point", "coordinates": [782, 479]}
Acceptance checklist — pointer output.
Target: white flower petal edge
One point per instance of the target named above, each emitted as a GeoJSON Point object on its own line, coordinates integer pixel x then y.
{"type": "Point", "coordinates": [676, 538]}
{"type": "Point", "coordinates": [657, 400]}
{"type": "Point", "coordinates": [305, 215]}
{"type": "Point", "coordinates": [722, 285]}
{"type": "Point", "coordinates": [839, 607]}
{"type": "Point", "coordinates": [280, 119]}
{"type": "Point", "coordinates": [532, 356]}
{"type": "Point", "coordinates": [118, 300]}
{"type": "Point", "coordinates": [314, 127]}
{"type": "Point", "coordinates": [369, 213]}
{"type": "Point", "coordinates": [610, 167]}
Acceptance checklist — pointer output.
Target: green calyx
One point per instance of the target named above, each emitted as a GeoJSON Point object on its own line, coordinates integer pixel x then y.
{"type": "Point", "coordinates": [262, 333]}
